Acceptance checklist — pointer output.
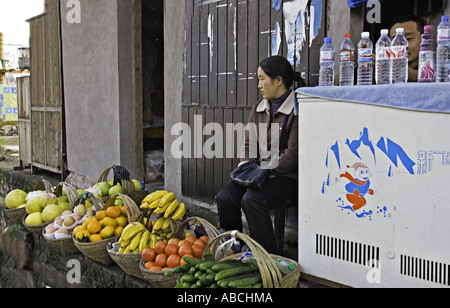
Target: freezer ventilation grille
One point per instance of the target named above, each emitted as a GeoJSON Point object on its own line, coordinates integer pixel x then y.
{"type": "Point", "coordinates": [349, 251]}
{"type": "Point", "coordinates": [425, 269]}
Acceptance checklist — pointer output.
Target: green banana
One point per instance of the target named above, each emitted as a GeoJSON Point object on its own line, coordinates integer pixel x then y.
{"type": "Point", "coordinates": [180, 212]}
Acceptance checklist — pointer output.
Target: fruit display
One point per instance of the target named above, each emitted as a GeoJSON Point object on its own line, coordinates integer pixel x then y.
{"type": "Point", "coordinates": [43, 207]}
{"type": "Point", "coordinates": [208, 273]}
{"type": "Point", "coordinates": [168, 255]}
{"type": "Point", "coordinates": [15, 199]}
{"type": "Point", "coordinates": [104, 225]}
{"type": "Point", "coordinates": [164, 202]}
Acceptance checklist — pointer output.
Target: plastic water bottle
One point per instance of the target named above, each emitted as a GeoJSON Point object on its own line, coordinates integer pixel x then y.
{"type": "Point", "coordinates": [365, 58]}
{"type": "Point", "coordinates": [347, 61]}
{"type": "Point", "coordinates": [399, 48]}
{"type": "Point", "coordinates": [443, 51]}
{"type": "Point", "coordinates": [383, 59]}
{"type": "Point", "coordinates": [326, 73]}
{"type": "Point", "coordinates": [427, 56]}
{"type": "Point", "coordinates": [285, 266]}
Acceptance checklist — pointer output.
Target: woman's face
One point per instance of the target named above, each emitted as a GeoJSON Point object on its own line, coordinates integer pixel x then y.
{"type": "Point", "coordinates": [270, 88]}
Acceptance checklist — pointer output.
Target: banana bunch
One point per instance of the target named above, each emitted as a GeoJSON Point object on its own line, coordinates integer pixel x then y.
{"type": "Point", "coordinates": [164, 202]}
{"type": "Point", "coordinates": [135, 238]}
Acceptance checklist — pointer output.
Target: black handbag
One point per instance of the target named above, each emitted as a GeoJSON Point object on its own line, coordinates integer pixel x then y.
{"type": "Point", "coordinates": [250, 174]}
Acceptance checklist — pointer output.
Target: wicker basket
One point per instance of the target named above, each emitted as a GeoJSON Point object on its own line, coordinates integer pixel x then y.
{"type": "Point", "coordinates": [128, 262]}
{"type": "Point", "coordinates": [271, 275]}
{"type": "Point", "coordinates": [157, 278]}
{"type": "Point", "coordinates": [211, 231]}
{"type": "Point", "coordinates": [15, 215]}
{"type": "Point", "coordinates": [96, 251]}
{"type": "Point", "coordinates": [127, 185]}
{"type": "Point", "coordinates": [35, 229]}
{"type": "Point", "coordinates": [133, 211]}
{"type": "Point", "coordinates": [66, 244]}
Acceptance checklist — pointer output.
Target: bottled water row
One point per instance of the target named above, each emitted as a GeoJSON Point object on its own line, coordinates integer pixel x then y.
{"type": "Point", "coordinates": [391, 65]}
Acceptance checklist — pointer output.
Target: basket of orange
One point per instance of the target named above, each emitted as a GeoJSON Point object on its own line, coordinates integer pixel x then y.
{"type": "Point", "coordinates": [169, 255]}
{"type": "Point", "coordinates": [94, 235]}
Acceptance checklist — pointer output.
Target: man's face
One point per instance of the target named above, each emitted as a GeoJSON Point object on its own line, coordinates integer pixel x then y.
{"type": "Point", "coordinates": [414, 39]}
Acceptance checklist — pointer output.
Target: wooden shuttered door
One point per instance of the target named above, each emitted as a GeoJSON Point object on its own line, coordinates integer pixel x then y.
{"type": "Point", "coordinates": [46, 93]}
{"type": "Point", "coordinates": [225, 41]}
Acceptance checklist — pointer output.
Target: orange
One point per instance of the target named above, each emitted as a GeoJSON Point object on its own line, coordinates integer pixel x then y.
{"type": "Point", "coordinates": [113, 211]}
{"type": "Point", "coordinates": [205, 238]}
{"type": "Point", "coordinates": [149, 264]}
{"type": "Point", "coordinates": [171, 249]}
{"type": "Point", "coordinates": [198, 251]}
{"type": "Point", "coordinates": [107, 232]}
{"type": "Point", "coordinates": [122, 221]}
{"type": "Point", "coordinates": [148, 254]}
{"type": "Point", "coordinates": [173, 240]}
{"type": "Point", "coordinates": [156, 268]}
{"type": "Point", "coordinates": [182, 259]}
{"type": "Point", "coordinates": [95, 238]}
{"type": "Point", "coordinates": [100, 215]}
{"type": "Point", "coordinates": [184, 243]}
{"type": "Point", "coordinates": [200, 242]}
{"type": "Point", "coordinates": [161, 260]}
{"type": "Point", "coordinates": [82, 235]}
{"type": "Point", "coordinates": [173, 261]}
{"type": "Point", "coordinates": [191, 239]}
{"type": "Point", "coordinates": [118, 230]}
{"type": "Point", "coordinates": [94, 227]}
{"type": "Point", "coordinates": [160, 247]}
{"type": "Point", "coordinates": [89, 220]}
{"type": "Point", "coordinates": [184, 250]}
{"type": "Point", "coordinates": [123, 210]}
{"type": "Point", "coordinates": [78, 229]}
{"type": "Point", "coordinates": [109, 221]}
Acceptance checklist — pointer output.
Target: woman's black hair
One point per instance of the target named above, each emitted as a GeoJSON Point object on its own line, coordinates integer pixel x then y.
{"type": "Point", "coordinates": [277, 66]}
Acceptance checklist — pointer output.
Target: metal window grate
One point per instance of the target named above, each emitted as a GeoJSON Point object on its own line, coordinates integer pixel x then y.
{"type": "Point", "coordinates": [349, 251]}
{"type": "Point", "coordinates": [432, 271]}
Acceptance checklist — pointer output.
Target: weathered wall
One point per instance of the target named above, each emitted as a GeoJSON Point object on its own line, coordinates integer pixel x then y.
{"type": "Point", "coordinates": [98, 87]}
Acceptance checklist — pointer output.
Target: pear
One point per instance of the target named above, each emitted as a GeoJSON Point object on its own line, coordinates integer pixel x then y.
{"type": "Point", "coordinates": [137, 185]}
{"type": "Point", "coordinates": [80, 209]}
{"type": "Point", "coordinates": [69, 221]}
{"type": "Point", "coordinates": [116, 189]}
{"type": "Point", "coordinates": [104, 187]}
{"type": "Point", "coordinates": [33, 206]}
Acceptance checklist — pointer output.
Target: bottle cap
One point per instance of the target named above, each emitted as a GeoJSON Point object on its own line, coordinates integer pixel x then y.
{"type": "Point", "coordinates": [400, 30]}
{"type": "Point", "coordinates": [327, 40]}
{"type": "Point", "coordinates": [292, 266]}
{"type": "Point", "coordinates": [347, 35]}
{"type": "Point", "coordinates": [445, 18]}
{"type": "Point", "coordinates": [384, 32]}
{"type": "Point", "coordinates": [365, 34]}
{"type": "Point", "coordinates": [428, 27]}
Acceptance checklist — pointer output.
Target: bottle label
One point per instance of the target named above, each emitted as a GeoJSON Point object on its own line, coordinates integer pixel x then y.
{"type": "Point", "coordinates": [427, 66]}
{"type": "Point", "coordinates": [365, 55]}
{"type": "Point", "coordinates": [444, 34]}
{"type": "Point", "coordinates": [399, 52]}
{"type": "Point", "coordinates": [383, 53]}
{"type": "Point", "coordinates": [347, 55]}
{"type": "Point", "coordinates": [327, 56]}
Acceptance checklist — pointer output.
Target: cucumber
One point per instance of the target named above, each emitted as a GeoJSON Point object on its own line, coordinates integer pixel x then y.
{"type": "Point", "coordinates": [246, 282]}
{"type": "Point", "coordinates": [204, 279]}
{"type": "Point", "coordinates": [235, 271]}
{"type": "Point", "coordinates": [219, 266]}
{"type": "Point", "coordinates": [225, 283]}
{"type": "Point", "coordinates": [198, 274]}
{"type": "Point", "coordinates": [192, 261]}
{"type": "Point", "coordinates": [206, 265]}
{"type": "Point", "coordinates": [189, 278]}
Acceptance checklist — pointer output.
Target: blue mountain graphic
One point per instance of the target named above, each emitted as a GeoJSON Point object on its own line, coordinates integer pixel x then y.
{"type": "Point", "coordinates": [392, 150]}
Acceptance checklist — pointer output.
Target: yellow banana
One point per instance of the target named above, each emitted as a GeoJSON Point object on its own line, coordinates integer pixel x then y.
{"type": "Point", "coordinates": [160, 210]}
{"type": "Point", "coordinates": [148, 197]}
{"type": "Point", "coordinates": [125, 231]}
{"type": "Point", "coordinates": [166, 224]}
{"type": "Point", "coordinates": [169, 197]}
{"type": "Point", "coordinates": [130, 234]}
{"type": "Point", "coordinates": [153, 240]}
{"type": "Point", "coordinates": [127, 249]}
{"type": "Point", "coordinates": [158, 195]}
{"type": "Point", "coordinates": [121, 250]}
{"type": "Point", "coordinates": [158, 224]}
{"type": "Point", "coordinates": [136, 240]}
{"type": "Point", "coordinates": [172, 207]}
{"type": "Point", "coordinates": [154, 204]}
{"type": "Point", "coordinates": [180, 212]}
{"type": "Point", "coordinates": [144, 240]}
